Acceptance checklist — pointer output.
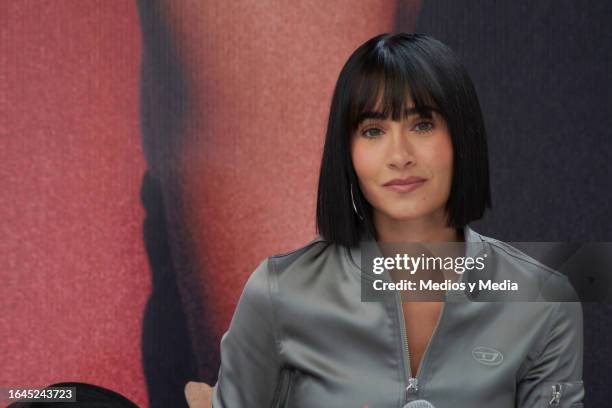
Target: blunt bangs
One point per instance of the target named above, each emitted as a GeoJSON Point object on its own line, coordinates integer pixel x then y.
{"type": "Point", "coordinates": [388, 80]}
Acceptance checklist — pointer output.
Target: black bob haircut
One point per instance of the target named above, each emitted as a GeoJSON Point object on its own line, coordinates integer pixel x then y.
{"type": "Point", "coordinates": [385, 70]}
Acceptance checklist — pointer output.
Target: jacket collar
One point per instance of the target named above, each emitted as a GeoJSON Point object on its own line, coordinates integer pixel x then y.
{"type": "Point", "coordinates": [476, 245]}
{"type": "Point", "coordinates": [469, 236]}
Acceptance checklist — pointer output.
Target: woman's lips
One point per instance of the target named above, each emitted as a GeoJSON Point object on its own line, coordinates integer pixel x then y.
{"type": "Point", "coordinates": [406, 188]}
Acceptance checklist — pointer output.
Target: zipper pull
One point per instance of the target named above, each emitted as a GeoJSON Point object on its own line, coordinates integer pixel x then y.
{"type": "Point", "coordinates": [413, 385]}
{"type": "Point", "coordinates": [556, 395]}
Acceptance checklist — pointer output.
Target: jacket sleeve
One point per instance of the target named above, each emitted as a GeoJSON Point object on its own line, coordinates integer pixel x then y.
{"type": "Point", "coordinates": [250, 360]}
{"type": "Point", "coordinates": [554, 378]}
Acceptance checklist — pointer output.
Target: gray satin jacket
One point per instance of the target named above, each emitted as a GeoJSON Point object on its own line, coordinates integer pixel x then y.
{"type": "Point", "coordinates": [301, 337]}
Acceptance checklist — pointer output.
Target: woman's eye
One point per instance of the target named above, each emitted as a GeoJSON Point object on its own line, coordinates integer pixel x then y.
{"type": "Point", "coordinates": [424, 126]}
{"type": "Point", "coordinates": [369, 135]}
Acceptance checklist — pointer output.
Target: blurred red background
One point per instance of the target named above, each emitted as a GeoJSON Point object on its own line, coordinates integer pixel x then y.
{"type": "Point", "coordinates": [73, 267]}
{"type": "Point", "coordinates": [153, 153]}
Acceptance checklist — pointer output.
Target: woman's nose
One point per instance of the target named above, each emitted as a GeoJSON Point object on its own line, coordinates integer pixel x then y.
{"type": "Point", "coordinates": [401, 150]}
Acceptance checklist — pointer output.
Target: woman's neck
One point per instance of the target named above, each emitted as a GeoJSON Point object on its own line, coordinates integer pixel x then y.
{"type": "Point", "coordinates": [426, 229]}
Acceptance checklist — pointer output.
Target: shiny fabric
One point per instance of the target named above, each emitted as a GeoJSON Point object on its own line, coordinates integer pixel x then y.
{"type": "Point", "coordinates": [301, 337]}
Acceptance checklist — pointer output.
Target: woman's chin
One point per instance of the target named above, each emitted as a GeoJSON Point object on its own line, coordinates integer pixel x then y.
{"type": "Point", "coordinates": [406, 216]}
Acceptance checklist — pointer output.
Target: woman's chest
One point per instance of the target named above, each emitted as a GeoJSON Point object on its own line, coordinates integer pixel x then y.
{"type": "Point", "coordinates": [420, 321]}
{"type": "Point", "coordinates": [354, 359]}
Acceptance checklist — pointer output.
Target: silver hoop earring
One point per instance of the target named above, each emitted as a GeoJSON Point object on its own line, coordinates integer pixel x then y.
{"type": "Point", "coordinates": [354, 206]}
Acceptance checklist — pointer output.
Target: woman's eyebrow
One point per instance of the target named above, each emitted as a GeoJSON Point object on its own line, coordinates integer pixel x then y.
{"type": "Point", "coordinates": [407, 112]}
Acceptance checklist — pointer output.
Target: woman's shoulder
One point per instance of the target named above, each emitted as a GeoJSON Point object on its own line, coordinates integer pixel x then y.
{"type": "Point", "coordinates": [292, 270]}
{"type": "Point", "coordinates": [318, 240]}
{"type": "Point", "coordinates": [518, 257]}
{"type": "Point", "coordinates": [302, 257]}
{"type": "Point", "coordinates": [515, 264]}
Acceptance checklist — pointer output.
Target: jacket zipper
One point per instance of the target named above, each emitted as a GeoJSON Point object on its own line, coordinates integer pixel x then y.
{"type": "Point", "coordinates": [412, 383]}
{"type": "Point", "coordinates": [412, 386]}
{"type": "Point", "coordinates": [556, 395]}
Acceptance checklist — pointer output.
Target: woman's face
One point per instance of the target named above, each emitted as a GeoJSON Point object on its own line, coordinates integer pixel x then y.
{"type": "Point", "coordinates": [416, 147]}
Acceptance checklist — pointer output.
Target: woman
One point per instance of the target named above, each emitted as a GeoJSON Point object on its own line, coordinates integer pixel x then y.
{"type": "Point", "coordinates": [405, 160]}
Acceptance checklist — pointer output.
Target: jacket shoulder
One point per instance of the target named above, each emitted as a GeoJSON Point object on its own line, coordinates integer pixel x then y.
{"type": "Point", "coordinates": [301, 255]}
{"type": "Point", "coordinates": [516, 265]}
{"type": "Point", "coordinates": [519, 257]}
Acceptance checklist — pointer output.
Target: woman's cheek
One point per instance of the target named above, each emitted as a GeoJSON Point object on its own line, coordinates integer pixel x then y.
{"type": "Point", "coordinates": [364, 163]}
